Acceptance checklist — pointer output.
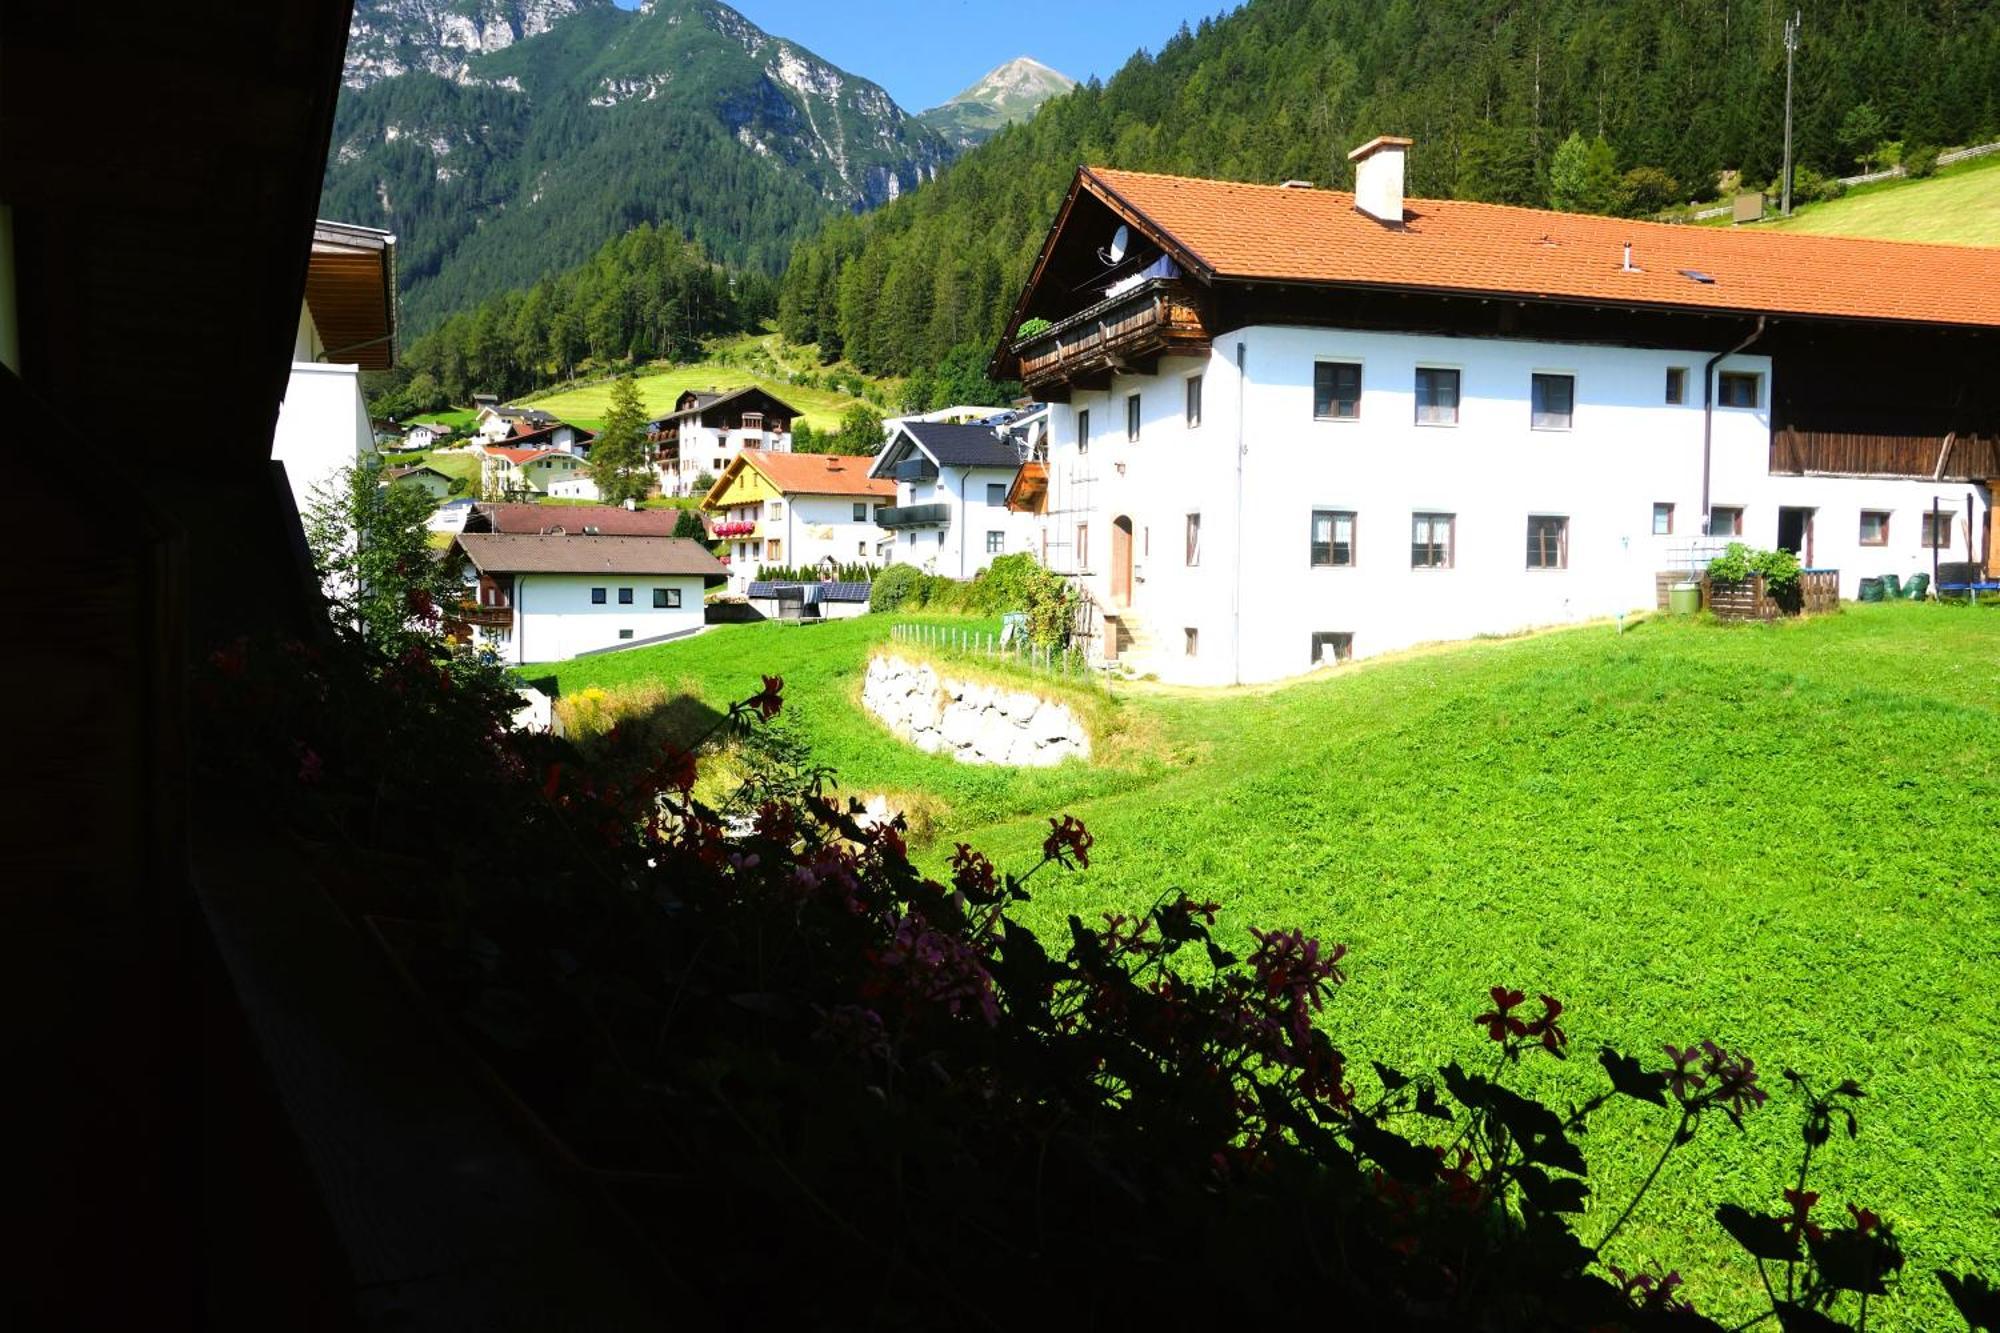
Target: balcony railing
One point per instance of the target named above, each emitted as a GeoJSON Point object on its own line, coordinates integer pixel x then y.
{"type": "Point", "coordinates": [914, 516]}
{"type": "Point", "coordinates": [495, 616]}
{"type": "Point", "coordinates": [1154, 318]}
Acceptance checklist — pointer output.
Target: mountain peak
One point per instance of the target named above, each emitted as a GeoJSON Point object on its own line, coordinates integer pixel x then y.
{"type": "Point", "coordinates": [1003, 95]}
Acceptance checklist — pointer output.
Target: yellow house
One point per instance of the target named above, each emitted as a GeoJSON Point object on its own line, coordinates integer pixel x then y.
{"type": "Point", "coordinates": [780, 508]}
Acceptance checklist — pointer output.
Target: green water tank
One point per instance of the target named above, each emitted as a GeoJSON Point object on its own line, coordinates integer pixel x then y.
{"type": "Point", "coordinates": [1684, 599]}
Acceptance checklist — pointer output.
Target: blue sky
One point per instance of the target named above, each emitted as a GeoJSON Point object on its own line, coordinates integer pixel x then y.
{"type": "Point", "coordinates": [925, 51]}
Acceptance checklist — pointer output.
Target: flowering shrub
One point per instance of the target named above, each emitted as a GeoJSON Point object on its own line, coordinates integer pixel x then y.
{"type": "Point", "coordinates": [839, 1089]}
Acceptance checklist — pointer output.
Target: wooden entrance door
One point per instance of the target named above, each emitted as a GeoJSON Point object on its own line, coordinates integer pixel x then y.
{"type": "Point", "coordinates": [1121, 561]}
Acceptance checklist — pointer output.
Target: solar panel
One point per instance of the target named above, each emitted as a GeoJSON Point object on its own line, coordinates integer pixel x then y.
{"type": "Point", "coordinates": [1696, 274]}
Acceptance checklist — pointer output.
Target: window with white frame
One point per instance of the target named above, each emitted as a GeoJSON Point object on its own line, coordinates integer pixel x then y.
{"type": "Point", "coordinates": [1194, 400]}
{"type": "Point", "coordinates": [1548, 541]}
{"type": "Point", "coordinates": [1437, 396]}
{"type": "Point", "coordinates": [1430, 540]}
{"type": "Point", "coordinates": [1552, 402]}
{"type": "Point", "coordinates": [1332, 538]}
{"type": "Point", "coordinates": [996, 542]}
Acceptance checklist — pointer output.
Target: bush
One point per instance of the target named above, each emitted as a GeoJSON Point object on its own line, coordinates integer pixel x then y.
{"type": "Point", "coordinates": [1810, 187]}
{"type": "Point", "coordinates": [1644, 191]}
{"type": "Point", "coordinates": [893, 586]}
{"type": "Point", "coordinates": [1739, 562]}
{"type": "Point", "coordinates": [1029, 328]}
{"type": "Point", "coordinates": [1920, 160]}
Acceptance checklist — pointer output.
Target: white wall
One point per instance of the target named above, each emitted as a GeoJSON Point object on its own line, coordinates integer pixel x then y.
{"type": "Point", "coordinates": [959, 549]}
{"type": "Point", "coordinates": [706, 449]}
{"type": "Point", "coordinates": [322, 426]}
{"type": "Point", "coordinates": [817, 526]}
{"type": "Point", "coordinates": [1627, 449]}
{"type": "Point", "coordinates": [555, 619]}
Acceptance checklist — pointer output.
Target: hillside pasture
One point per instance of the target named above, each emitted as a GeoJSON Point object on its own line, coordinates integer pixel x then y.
{"type": "Point", "coordinates": [1783, 837]}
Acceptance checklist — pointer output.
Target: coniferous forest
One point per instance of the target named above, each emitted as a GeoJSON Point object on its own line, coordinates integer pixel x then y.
{"type": "Point", "coordinates": [1281, 89]}
{"type": "Point", "coordinates": [1603, 105]}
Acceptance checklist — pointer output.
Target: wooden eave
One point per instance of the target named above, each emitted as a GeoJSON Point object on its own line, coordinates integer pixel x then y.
{"type": "Point", "coordinates": [351, 291]}
{"type": "Point", "coordinates": [1087, 182]}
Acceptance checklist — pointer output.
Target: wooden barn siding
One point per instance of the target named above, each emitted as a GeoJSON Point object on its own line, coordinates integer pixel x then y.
{"type": "Point", "coordinates": [1969, 457]}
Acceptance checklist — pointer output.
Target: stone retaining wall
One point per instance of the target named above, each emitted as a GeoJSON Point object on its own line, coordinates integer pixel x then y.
{"type": "Point", "coordinates": [974, 723]}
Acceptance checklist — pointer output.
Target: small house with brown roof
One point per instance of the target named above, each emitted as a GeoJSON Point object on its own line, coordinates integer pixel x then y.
{"type": "Point", "coordinates": [706, 430]}
{"type": "Point", "coordinates": [421, 476]}
{"type": "Point", "coordinates": [796, 509]}
{"type": "Point", "coordinates": [550, 596]}
{"type": "Point", "coordinates": [1291, 425]}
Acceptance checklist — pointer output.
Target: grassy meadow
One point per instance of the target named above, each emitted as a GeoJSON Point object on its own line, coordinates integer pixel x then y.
{"type": "Point", "coordinates": [1958, 206]}
{"type": "Point", "coordinates": [763, 360]}
{"type": "Point", "coordinates": [1785, 838]}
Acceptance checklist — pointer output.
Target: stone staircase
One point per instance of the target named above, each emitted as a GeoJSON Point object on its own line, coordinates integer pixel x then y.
{"type": "Point", "coordinates": [1136, 644]}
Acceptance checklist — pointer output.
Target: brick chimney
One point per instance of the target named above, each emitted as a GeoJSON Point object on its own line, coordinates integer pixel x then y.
{"type": "Point", "coordinates": [1378, 178]}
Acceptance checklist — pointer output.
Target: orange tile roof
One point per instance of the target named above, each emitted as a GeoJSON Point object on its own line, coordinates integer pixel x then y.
{"type": "Point", "coordinates": [817, 474]}
{"type": "Point", "coordinates": [1269, 232]}
{"type": "Point", "coordinates": [517, 456]}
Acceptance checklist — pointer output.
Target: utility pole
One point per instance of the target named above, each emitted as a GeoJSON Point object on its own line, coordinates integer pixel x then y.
{"type": "Point", "coordinates": [1791, 49]}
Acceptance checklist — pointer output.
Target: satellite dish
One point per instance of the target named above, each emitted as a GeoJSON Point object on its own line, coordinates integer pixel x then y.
{"type": "Point", "coordinates": [1115, 252]}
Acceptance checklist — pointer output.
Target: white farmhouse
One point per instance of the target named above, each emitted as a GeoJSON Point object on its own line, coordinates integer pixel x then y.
{"type": "Point", "coordinates": [796, 510]}
{"type": "Point", "coordinates": [547, 597]}
{"type": "Point", "coordinates": [706, 430]}
{"type": "Point", "coordinates": [347, 324]}
{"type": "Point", "coordinates": [1291, 425]}
{"type": "Point", "coordinates": [951, 515]}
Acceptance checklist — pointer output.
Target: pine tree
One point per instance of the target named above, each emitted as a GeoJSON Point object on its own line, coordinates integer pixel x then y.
{"type": "Point", "coordinates": [618, 458]}
{"type": "Point", "coordinates": [1583, 178]}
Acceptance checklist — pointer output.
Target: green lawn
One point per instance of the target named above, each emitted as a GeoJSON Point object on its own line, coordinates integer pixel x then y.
{"type": "Point", "coordinates": [1958, 206]}
{"type": "Point", "coordinates": [460, 419]}
{"type": "Point", "coordinates": [1786, 838]}
{"type": "Point", "coordinates": [732, 363]}
{"type": "Point", "coordinates": [452, 462]}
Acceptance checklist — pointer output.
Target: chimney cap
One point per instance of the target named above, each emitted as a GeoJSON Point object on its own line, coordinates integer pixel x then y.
{"type": "Point", "coordinates": [1377, 144]}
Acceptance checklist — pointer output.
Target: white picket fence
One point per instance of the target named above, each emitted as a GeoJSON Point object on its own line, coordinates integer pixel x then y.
{"type": "Point", "coordinates": [1865, 178]}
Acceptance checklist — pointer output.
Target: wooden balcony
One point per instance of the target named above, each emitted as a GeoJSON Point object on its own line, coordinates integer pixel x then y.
{"type": "Point", "coordinates": [1127, 332]}
{"type": "Point", "coordinates": [492, 617]}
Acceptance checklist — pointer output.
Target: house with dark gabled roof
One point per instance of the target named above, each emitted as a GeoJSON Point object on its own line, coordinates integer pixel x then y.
{"type": "Point", "coordinates": [550, 596]}
{"type": "Point", "coordinates": [951, 515]}
{"type": "Point", "coordinates": [706, 430]}
{"type": "Point", "coordinates": [1293, 425]}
